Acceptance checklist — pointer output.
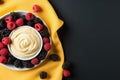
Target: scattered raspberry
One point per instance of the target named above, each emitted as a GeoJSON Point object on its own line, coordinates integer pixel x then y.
{"type": "Point", "coordinates": [38, 27]}
{"type": "Point", "coordinates": [47, 46]}
{"type": "Point", "coordinates": [54, 57]}
{"type": "Point", "coordinates": [11, 25]}
{"type": "Point", "coordinates": [6, 40]}
{"type": "Point", "coordinates": [20, 22]}
{"type": "Point", "coordinates": [66, 65]}
{"type": "Point", "coordinates": [66, 73]}
{"type": "Point", "coordinates": [8, 19]}
{"type": "Point", "coordinates": [36, 8]}
{"type": "Point", "coordinates": [46, 40]}
{"type": "Point", "coordinates": [3, 59]}
{"type": "Point", "coordinates": [1, 45]}
{"type": "Point", "coordinates": [29, 16]}
{"type": "Point", "coordinates": [43, 75]}
{"type": "Point", "coordinates": [35, 61]}
{"type": "Point", "coordinates": [4, 52]}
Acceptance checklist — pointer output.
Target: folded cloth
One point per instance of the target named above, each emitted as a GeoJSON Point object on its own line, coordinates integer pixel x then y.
{"type": "Point", "coordinates": [54, 69]}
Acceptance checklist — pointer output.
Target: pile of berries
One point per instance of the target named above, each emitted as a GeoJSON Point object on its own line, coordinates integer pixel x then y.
{"type": "Point", "coordinates": [11, 22]}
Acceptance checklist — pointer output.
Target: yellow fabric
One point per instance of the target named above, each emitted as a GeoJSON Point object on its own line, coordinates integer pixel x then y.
{"type": "Point", "coordinates": [54, 69]}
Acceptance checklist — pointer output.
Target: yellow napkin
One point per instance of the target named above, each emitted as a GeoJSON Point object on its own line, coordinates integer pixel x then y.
{"type": "Point", "coordinates": [54, 69]}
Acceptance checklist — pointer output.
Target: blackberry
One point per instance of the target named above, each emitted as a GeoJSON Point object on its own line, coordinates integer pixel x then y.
{"type": "Point", "coordinates": [66, 65]}
{"type": "Point", "coordinates": [15, 15]}
{"type": "Point", "coordinates": [10, 60]}
{"type": "Point", "coordinates": [42, 55]}
{"type": "Point", "coordinates": [18, 64]}
{"type": "Point", "coordinates": [37, 20]}
{"type": "Point", "coordinates": [30, 23]}
{"type": "Point", "coordinates": [54, 57]}
{"type": "Point", "coordinates": [2, 23]}
{"type": "Point", "coordinates": [25, 21]}
{"type": "Point", "coordinates": [44, 32]}
{"type": "Point", "coordinates": [43, 75]}
{"type": "Point", "coordinates": [27, 64]}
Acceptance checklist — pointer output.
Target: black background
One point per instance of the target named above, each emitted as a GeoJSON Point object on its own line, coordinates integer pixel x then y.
{"type": "Point", "coordinates": [91, 37]}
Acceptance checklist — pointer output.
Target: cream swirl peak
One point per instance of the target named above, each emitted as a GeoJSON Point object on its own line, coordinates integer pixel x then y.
{"type": "Point", "coordinates": [26, 43]}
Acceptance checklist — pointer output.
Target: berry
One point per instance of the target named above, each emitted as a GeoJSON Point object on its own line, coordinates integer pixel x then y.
{"type": "Point", "coordinates": [43, 75]}
{"type": "Point", "coordinates": [30, 23]}
{"type": "Point", "coordinates": [44, 32]}
{"type": "Point", "coordinates": [1, 45]}
{"type": "Point", "coordinates": [66, 73]}
{"type": "Point", "coordinates": [11, 25]}
{"type": "Point", "coordinates": [2, 23]}
{"type": "Point", "coordinates": [29, 16]}
{"type": "Point", "coordinates": [38, 27]}
{"type": "Point", "coordinates": [66, 65]}
{"type": "Point", "coordinates": [46, 40]}
{"type": "Point", "coordinates": [18, 64]}
{"type": "Point", "coordinates": [54, 57]}
{"type": "Point", "coordinates": [35, 61]}
{"type": "Point", "coordinates": [4, 52]}
{"type": "Point", "coordinates": [36, 8]}
{"type": "Point", "coordinates": [6, 40]}
{"type": "Point", "coordinates": [20, 22]}
{"type": "Point", "coordinates": [11, 60]}
{"type": "Point", "coordinates": [47, 46]}
{"type": "Point", "coordinates": [27, 64]}
{"type": "Point", "coordinates": [37, 20]}
{"type": "Point", "coordinates": [42, 55]}
{"type": "Point", "coordinates": [14, 15]}
{"type": "Point", "coordinates": [8, 19]}
{"type": "Point", "coordinates": [3, 59]}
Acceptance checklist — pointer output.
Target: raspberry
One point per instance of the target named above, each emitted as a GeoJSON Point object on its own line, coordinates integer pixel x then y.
{"type": "Point", "coordinates": [36, 8]}
{"type": "Point", "coordinates": [35, 61]}
{"type": "Point", "coordinates": [3, 59]}
{"type": "Point", "coordinates": [47, 46]}
{"type": "Point", "coordinates": [4, 52]}
{"type": "Point", "coordinates": [66, 73]}
{"type": "Point", "coordinates": [54, 57]}
{"type": "Point", "coordinates": [11, 25]}
{"type": "Point", "coordinates": [1, 45]}
{"type": "Point", "coordinates": [8, 19]}
{"type": "Point", "coordinates": [46, 40]}
{"type": "Point", "coordinates": [19, 22]}
{"type": "Point", "coordinates": [6, 40]}
{"type": "Point", "coordinates": [29, 16]}
{"type": "Point", "coordinates": [43, 75]}
{"type": "Point", "coordinates": [38, 26]}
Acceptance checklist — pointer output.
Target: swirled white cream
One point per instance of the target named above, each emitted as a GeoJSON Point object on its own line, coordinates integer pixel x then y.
{"type": "Point", "coordinates": [26, 42]}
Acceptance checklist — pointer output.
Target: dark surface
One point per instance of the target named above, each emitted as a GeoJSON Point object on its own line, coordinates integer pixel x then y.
{"type": "Point", "coordinates": [91, 37]}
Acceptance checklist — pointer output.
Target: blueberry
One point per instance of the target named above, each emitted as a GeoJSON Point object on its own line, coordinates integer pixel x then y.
{"type": "Point", "coordinates": [37, 20]}
{"type": "Point", "coordinates": [44, 32]}
{"type": "Point", "coordinates": [10, 60]}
